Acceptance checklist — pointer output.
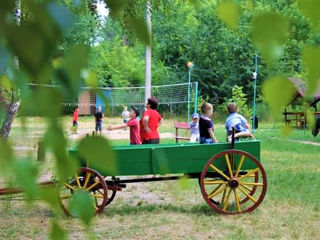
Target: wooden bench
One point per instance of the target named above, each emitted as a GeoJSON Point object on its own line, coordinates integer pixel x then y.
{"type": "Point", "coordinates": [185, 127]}
{"type": "Point", "coordinates": [297, 117]}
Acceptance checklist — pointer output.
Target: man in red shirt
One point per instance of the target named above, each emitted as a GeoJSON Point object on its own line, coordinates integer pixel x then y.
{"type": "Point", "coordinates": [149, 123]}
{"type": "Point", "coordinates": [133, 125]}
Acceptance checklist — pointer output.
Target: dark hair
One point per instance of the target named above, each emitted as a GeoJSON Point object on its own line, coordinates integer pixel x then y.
{"type": "Point", "coordinates": [136, 111]}
{"type": "Point", "coordinates": [232, 107]}
{"type": "Point", "coordinates": [153, 103]}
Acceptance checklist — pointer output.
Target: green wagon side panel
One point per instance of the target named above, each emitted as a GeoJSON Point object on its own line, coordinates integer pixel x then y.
{"type": "Point", "coordinates": [173, 158]}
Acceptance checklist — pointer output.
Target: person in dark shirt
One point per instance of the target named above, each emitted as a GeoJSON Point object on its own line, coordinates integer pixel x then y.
{"type": "Point", "coordinates": [206, 125]}
{"type": "Point", "coordinates": [98, 119]}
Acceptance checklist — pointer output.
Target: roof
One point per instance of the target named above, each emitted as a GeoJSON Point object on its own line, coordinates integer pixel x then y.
{"type": "Point", "coordinates": [300, 86]}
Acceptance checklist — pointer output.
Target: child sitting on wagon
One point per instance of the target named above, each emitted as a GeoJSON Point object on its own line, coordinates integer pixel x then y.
{"type": "Point", "coordinates": [133, 124]}
{"type": "Point", "coordinates": [206, 125]}
{"type": "Point", "coordinates": [194, 128]}
{"type": "Point", "coordinates": [238, 122]}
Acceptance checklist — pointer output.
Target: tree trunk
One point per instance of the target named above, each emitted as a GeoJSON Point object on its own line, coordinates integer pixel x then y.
{"type": "Point", "coordinates": [12, 105]}
{"type": "Point", "coordinates": [8, 118]}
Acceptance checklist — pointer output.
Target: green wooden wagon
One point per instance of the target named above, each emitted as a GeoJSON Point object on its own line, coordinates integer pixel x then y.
{"type": "Point", "coordinates": [230, 175]}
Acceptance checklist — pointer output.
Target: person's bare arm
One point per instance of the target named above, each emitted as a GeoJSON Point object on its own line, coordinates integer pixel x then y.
{"type": "Point", "coordinates": [212, 135]}
{"type": "Point", "coordinates": [247, 126]}
{"type": "Point", "coordinates": [113, 127]}
{"type": "Point", "coordinates": [145, 122]}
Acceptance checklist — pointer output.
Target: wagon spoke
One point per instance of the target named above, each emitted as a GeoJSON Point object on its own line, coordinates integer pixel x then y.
{"type": "Point", "coordinates": [214, 193]}
{"type": "Point", "coordinates": [226, 156]}
{"type": "Point", "coordinates": [77, 180]}
{"type": "Point", "coordinates": [97, 196]}
{"type": "Point", "coordinates": [88, 175]}
{"type": "Point", "coordinates": [219, 171]}
{"type": "Point", "coordinates": [225, 205]}
{"type": "Point", "coordinates": [240, 165]}
{"type": "Point", "coordinates": [212, 182]}
{"type": "Point", "coordinates": [92, 186]}
{"type": "Point", "coordinates": [249, 173]}
{"type": "Point", "coordinates": [247, 188]}
{"type": "Point", "coordinates": [236, 196]}
{"type": "Point", "coordinates": [69, 186]}
{"type": "Point", "coordinates": [247, 194]}
{"type": "Point", "coordinates": [251, 184]}
{"type": "Point", "coordinates": [224, 196]}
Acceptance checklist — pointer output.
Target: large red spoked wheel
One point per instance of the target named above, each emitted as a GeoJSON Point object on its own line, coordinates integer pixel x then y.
{"type": "Point", "coordinates": [87, 180]}
{"type": "Point", "coordinates": [233, 182]}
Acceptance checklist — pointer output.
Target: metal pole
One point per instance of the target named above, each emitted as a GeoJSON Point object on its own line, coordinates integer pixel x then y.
{"type": "Point", "coordinates": [255, 75]}
{"type": "Point", "coordinates": [148, 56]}
{"type": "Point", "coordinates": [196, 97]}
{"type": "Point", "coordinates": [190, 66]}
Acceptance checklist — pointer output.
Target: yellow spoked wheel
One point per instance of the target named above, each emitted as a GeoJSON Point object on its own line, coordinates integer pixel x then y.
{"type": "Point", "coordinates": [87, 180]}
{"type": "Point", "coordinates": [233, 182]}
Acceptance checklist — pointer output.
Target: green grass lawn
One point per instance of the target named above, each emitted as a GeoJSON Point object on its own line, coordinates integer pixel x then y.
{"type": "Point", "coordinates": [175, 210]}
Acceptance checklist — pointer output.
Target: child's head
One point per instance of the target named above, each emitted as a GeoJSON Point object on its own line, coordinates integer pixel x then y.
{"type": "Point", "coordinates": [195, 117]}
{"type": "Point", "coordinates": [99, 109]}
{"type": "Point", "coordinates": [134, 112]}
{"type": "Point", "coordinates": [76, 109]}
{"type": "Point", "coordinates": [207, 109]}
{"type": "Point", "coordinates": [125, 108]}
{"type": "Point", "coordinates": [232, 107]}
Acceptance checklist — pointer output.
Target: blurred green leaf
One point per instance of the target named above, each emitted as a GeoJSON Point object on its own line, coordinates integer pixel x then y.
{"type": "Point", "coordinates": [286, 130]}
{"type": "Point", "coordinates": [97, 151]}
{"type": "Point", "coordinates": [310, 8]}
{"type": "Point", "coordinates": [115, 6]}
{"type": "Point", "coordinates": [140, 29]}
{"type": "Point", "coordinates": [56, 141]}
{"type": "Point", "coordinates": [26, 175]}
{"type": "Point", "coordinates": [69, 75]}
{"type": "Point", "coordinates": [311, 118]}
{"type": "Point", "coordinates": [4, 59]}
{"type": "Point", "coordinates": [81, 206]}
{"type": "Point", "coordinates": [57, 232]}
{"type": "Point", "coordinates": [6, 155]}
{"type": "Point", "coordinates": [50, 195]}
{"type": "Point", "coordinates": [90, 78]}
{"type": "Point", "coordinates": [34, 42]}
{"type": "Point", "coordinates": [278, 92]}
{"type": "Point", "coordinates": [229, 13]}
{"type": "Point", "coordinates": [269, 32]}
{"type": "Point", "coordinates": [311, 58]}
{"type": "Point", "coordinates": [61, 15]}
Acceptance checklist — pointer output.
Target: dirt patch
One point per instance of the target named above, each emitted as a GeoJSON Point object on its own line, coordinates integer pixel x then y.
{"type": "Point", "coordinates": [297, 141]}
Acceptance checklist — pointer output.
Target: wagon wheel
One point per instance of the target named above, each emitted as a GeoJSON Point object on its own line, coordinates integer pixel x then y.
{"type": "Point", "coordinates": [233, 182]}
{"type": "Point", "coordinates": [87, 180]}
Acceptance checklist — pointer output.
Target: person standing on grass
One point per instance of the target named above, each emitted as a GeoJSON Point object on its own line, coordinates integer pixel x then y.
{"type": "Point", "coordinates": [98, 120]}
{"type": "Point", "coordinates": [149, 123]}
{"type": "Point", "coordinates": [206, 125]}
{"type": "Point", "coordinates": [133, 124]}
{"type": "Point", "coordinates": [125, 115]}
{"type": "Point", "coordinates": [75, 120]}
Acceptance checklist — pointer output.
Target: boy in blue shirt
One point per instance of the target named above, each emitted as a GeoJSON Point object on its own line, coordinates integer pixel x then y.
{"type": "Point", "coordinates": [238, 122]}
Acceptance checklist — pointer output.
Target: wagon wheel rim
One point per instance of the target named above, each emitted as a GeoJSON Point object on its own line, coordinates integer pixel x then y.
{"type": "Point", "coordinates": [87, 180]}
{"type": "Point", "coordinates": [112, 194]}
{"type": "Point", "coordinates": [228, 187]}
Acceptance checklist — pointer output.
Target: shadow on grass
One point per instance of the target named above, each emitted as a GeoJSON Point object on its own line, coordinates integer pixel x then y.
{"type": "Point", "coordinates": [199, 209]}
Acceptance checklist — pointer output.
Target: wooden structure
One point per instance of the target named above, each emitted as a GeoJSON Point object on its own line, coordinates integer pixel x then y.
{"type": "Point", "coordinates": [230, 175]}
{"type": "Point", "coordinates": [184, 127]}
